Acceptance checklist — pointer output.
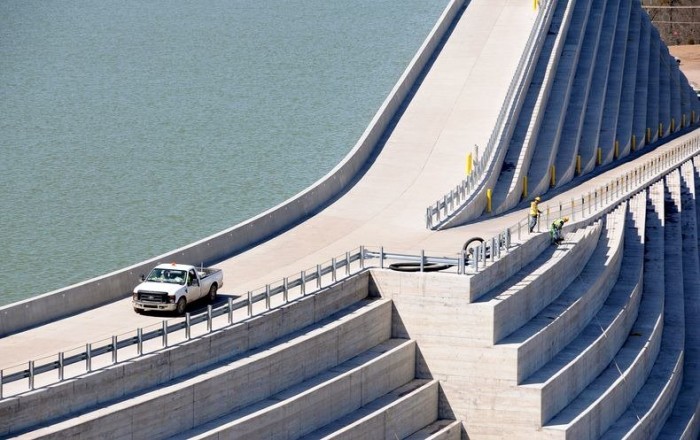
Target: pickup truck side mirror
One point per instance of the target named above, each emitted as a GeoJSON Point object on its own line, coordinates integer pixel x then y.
{"type": "Point", "coordinates": [142, 278]}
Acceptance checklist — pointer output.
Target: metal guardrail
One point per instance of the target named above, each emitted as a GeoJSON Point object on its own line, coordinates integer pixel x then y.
{"type": "Point", "coordinates": [440, 210]}
{"type": "Point", "coordinates": [467, 262]}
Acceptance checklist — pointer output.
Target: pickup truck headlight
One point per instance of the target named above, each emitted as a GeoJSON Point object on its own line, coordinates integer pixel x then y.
{"type": "Point", "coordinates": [171, 299]}
{"type": "Point", "coordinates": [135, 296]}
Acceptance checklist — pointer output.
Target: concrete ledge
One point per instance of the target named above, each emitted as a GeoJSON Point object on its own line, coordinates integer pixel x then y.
{"type": "Point", "coordinates": [538, 341]}
{"type": "Point", "coordinates": [606, 398]}
{"type": "Point", "coordinates": [440, 430]}
{"type": "Point", "coordinates": [513, 306]}
{"type": "Point", "coordinates": [123, 379]}
{"type": "Point", "coordinates": [395, 415]}
{"type": "Point", "coordinates": [560, 381]}
{"type": "Point", "coordinates": [319, 401]}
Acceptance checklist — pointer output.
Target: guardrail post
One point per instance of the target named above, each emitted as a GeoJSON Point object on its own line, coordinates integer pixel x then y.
{"type": "Point", "coordinates": [1, 384]}
{"type": "Point", "coordinates": [381, 257]}
{"type": "Point", "coordinates": [230, 310]}
{"type": "Point", "coordinates": [31, 375]}
{"type": "Point", "coordinates": [483, 253]}
{"type": "Point", "coordinates": [428, 218]}
{"type": "Point", "coordinates": [210, 323]}
{"type": "Point", "coordinates": [347, 263]}
{"type": "Point", "coordinates": [494, 247]}
{"type": "Point", "coordinates": [422, 260]}
{"type": "Point", "coordinates": [461, 267]}
{"type": "Point", "coordinates": [88, 357]}
{"type": "Point", "coordinates": [267, 297]}
{"type": "Point", "coordinates": [164, 330]}
{"type": "Point", "coordinates": [187, 325]}
{"type": "Point", "coordinates": [334, 274]}
{"type": "Point", "coordinates": [318, 276]}
{"type": "Point", "coordinates": [114, 349]}
{"type": "Point", "coordinates": [302, 282]}
{"type": "Point", "coordinates": [61, 365]}
{"type": "Point", "coordinates": [139, 337]}
{"type": "Point", "coordinates": [250, 303]}
{"type": "Point", "coordinates": [285, 289]}
{"type": "Point", "coordinates": [362, 257]}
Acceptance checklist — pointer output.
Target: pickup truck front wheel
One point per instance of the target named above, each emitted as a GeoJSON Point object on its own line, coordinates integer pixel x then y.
{"type": "Point", "coordinates": [212, 293]}
{"type": "Point", "coordinates": [181, 306]}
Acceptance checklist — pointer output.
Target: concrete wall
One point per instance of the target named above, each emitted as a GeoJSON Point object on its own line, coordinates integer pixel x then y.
{"type": "Point", "coordinates": [117, 285]}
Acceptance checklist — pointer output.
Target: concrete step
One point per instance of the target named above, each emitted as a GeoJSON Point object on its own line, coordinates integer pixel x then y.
{"type": "Point", "coordinates": [625, 118]}
{"type": "Point", "coordinates": [397, 414]}
{"type": "Point", "coordinates": [684, 421]}
{"type": "Point", "coordinates": [577, 365]}
{"type": "Point", "coordinates": [440, 430]}
{"type": "Point", "coordinates": [510, 305]}
{"type": "Point", "coordinates": [604, 399]}
{"type": "Point", "coordinates": [320, 400]}
{"type": "Point", "coordinates": [580, 90]}
{"type": "Point", "coordinates": [652, 405]}
{"type": "Point", "coordinates": [539, 340]}
{"type": "Point", "coordinates": [164, 365]}
{"type": "Point", "coordinates": [248, 378]}
{"type": "Point", "coordinates": [594, 109]}
{"type": "Point", "coordinates": [546, 147]}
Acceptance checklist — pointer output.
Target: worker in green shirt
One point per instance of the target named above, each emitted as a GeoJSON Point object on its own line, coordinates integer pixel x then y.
{"type": "Point", "coordinates": [555, 231]}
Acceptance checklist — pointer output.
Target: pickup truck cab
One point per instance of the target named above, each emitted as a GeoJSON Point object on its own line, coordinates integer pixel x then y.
{"type": "Point", "coordinates": [170, 287]}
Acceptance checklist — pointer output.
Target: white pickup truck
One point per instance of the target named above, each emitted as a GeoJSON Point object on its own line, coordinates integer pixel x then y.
{"type": "Point", "coordinates": [172, 286]}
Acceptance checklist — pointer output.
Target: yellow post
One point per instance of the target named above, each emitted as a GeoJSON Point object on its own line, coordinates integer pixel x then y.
{"type": "Point", "coordinates": [578, 164]}
{"type": "Point", "coordinates": [535, 4]}
{"type": "Point", "coordinates": [634, 142]}
{"type": "Point", "coordinates": [469, 164]}
{"type": "Point", "coordinates": [600, 156]}
{"type": "Point", "coordinates": [617, 149]}
{"type": "Point", "coordinates": [673, 125]}
{"type": "Point", "coordinates": [553, 176]}
{"type": "Point", "coordinates": [648, 135]}
{"type": "Point", "coordinates": [683, 121]}
{"type": "Point", "coordinates": [524, 187]}
{"type": "Point", "coordinates": [661, 130]}
{"type": "Point", "coordinates": [488, 200]}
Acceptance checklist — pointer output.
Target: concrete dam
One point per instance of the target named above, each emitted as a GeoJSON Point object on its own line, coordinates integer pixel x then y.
{"type": "Point", "coordinates": [402, 296]}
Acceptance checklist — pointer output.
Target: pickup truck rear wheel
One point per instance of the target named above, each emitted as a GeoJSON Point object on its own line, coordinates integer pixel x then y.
{"type": "Point", "coordinates": [181, 306]}
{"type": "Point", "coordinates": [212, 293]}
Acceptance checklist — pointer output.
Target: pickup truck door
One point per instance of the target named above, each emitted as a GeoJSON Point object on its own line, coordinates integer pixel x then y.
{"type": "Point", "coordinates": [194, 288]}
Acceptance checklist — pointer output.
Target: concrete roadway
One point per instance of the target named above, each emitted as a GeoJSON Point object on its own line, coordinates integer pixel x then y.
{"type": "Point", "coordinates": [454, 108]}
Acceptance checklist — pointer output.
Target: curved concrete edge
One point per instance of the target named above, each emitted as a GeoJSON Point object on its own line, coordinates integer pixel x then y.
{"type": "Point", "coordinates": [117, 285]}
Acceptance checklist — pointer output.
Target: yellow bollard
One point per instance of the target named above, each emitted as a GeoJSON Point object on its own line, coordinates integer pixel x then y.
{"type": "Point", "coordinates": [634, 142]}
{"type": "Point", "coordinates": [469, 164]}
{"type": "Point", "coordinates": [535, 4]}
{"type": "Point", "coordinates": [617, 149]}
{"type": "Point", "coordinates": [661, 130]}
{"type": "Point", "coordinates": [524, 187]}
{"type": "Point", "coordinates": [553, 176]}
{"type": "Point", "coordinates": [683, 121]}
{"type": "Point", "coordinates": [673, 125]}
{"type": "Point", "coordinates": [600, 156]}
{"type": "Point", "coordinates": [578, 164]}
{"type": "Point", "coordinates": [648, 135]}
{"type": "Point", "coordinates": [488, 200]}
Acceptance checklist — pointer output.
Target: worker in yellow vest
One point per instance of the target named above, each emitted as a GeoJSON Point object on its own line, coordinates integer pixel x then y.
{"type": "Point", "coordinates": [534, 213]}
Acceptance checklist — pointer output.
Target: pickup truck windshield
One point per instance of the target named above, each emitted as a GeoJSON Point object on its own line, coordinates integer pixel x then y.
{"type": "Point", "coordinates": [167, 276]}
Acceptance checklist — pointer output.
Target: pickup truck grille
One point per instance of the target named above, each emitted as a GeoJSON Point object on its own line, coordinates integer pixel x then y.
{"type": "Point", "coordinates": [157, 297]}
